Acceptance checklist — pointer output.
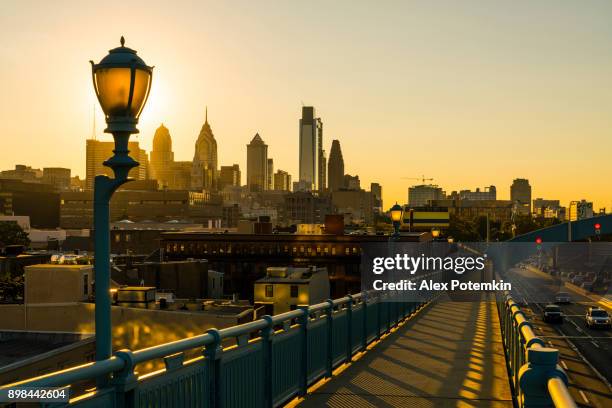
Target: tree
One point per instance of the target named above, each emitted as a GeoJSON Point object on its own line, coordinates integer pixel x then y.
{"type": "Point", "coordinates": [12, 234]}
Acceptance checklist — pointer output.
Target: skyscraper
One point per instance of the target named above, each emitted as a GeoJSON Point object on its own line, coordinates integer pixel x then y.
{"type": "Point", "coordinates": [162, 156]}
{"type": "Point", "coordinates": [270, 175]}
{"type": "Point", "coordinates": [282, 181]}
{"type": "Point", "coordinates": [229, 176]}
{"type": "Point", "coordinates": [312, 155]}
{"type": "Point", "coordinates": [257, 164]}
{"type": "Point", "coordinates": [335, 166]}
{"type": "Point", "coordinates": [96, 152]}
{"type": "Point", "coordinates": [204, 169]}
{"type": "Point", "coordinates": [170, 174]}
{"type": "Point", "coordinates": [520, 194]}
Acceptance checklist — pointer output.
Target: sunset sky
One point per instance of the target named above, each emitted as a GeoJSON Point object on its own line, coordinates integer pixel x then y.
{"type": "Point", "coordinates": [471, 93]}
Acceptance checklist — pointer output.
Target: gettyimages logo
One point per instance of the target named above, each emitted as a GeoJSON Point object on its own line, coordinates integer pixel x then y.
{"type": "Point", "coordinates": [423, 263]}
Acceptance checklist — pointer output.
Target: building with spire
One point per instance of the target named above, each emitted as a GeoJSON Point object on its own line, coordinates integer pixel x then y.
{"type": "Point", "coordinates": [204, 167]}
{"type": "Point", "coordinates": [257, 164]}
{"type": "Point", "coordinates": [335, 173]}
{"type": "Point", "coordinates": [170, 174]}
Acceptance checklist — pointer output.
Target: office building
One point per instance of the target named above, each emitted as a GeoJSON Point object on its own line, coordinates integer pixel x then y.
{"type": "Point", "coordinates": [229, 176]}
{"type": "Point", "coordinates": [170, 174]}
{"type": "Point", "coordinates": [304, 207]}
{"type": "Point", "coordinates": [270, 175]}
{"type": "Point", "coordinates": [351, 182]}
{"type": "Point", "coordinates": [22, 172]}
{"type": "Point", "coordinates": [204, 168]}
{"type": "Point", "coordinates": [376, 190]}
{"type": "Point", "coordinates": [282, 181]}
{"type": "Point", "coordinates": [357, 206]}
{"type": "Point", "coordinates": [548, 209]}
{"type": "Point", "coordinates": [496, 210]}
{"type": "Point", "coordinates": [257, 164]}
{"type": "Point", "coordinates": [335, 166]}
{"type": "Point", "coordinates": [76, 209]}
{"type": "Point", "coordinates": [419, 196]}
{"type": "Point", "coordinates": [580, 210]}
{"type": "Point", "coordinates": [489, 193]}
{"type": "Point", "coordinates": [58, 177]}
{"type": "Point", "coordinates": [520, 195]}
{"type": "Point", "coordinates": [41, 202]}
{"type": "Point", "coordinates": [97, 152]}
{"type": "Point", "coordinates": [311, 156]}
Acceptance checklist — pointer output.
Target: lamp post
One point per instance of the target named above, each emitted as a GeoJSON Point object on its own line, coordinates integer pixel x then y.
{"type": "Point", "coordinates": [122, 82]}
{"type": "Point", "coordinates": [396, 217]}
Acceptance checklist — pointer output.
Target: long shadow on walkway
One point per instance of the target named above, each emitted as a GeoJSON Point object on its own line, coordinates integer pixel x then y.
{"type": "Point", "coordinates": [450, 355]}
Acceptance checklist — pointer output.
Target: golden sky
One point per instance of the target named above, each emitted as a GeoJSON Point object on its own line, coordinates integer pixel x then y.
{"type": "Point", "coordinates": [471, 93]}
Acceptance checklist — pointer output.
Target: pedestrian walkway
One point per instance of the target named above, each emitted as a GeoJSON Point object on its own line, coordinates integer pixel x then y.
{"type": "Point", "coordinates": [449, 355]}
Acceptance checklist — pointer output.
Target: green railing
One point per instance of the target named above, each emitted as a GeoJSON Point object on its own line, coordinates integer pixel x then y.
{"type": "Point", "coordinates": [270, 361]}
{"type": "Point", "coordinates": [535, 376]}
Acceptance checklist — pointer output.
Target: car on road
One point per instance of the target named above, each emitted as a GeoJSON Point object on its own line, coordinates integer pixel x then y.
{"type": "Point", "coordinates": [597, 317]}
{"type": "Point", "coordinates": [552, 314]}
{"type": "Point", "coordinates": [563, 297]}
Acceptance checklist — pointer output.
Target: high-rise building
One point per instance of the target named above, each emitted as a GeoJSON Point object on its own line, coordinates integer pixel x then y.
{"type": "Point", "coordinates": [312, 156]}
{"type": "Point", "coordinates": [257, 164]}
{"type": "Point", "coordinates": [204, 169]}
{"type": "Point", "coordinates": [282, 181]}
{"type": "Point", "coordinates": [376, 190]}
{"type": "Point", "coordinates": [229, 176]}
{"type": "Point", "coordinates": [170, 174]}
{"type": "Point", "coordinates": [520, 195]}
{"type": "Point", "coordinates": [419, 196]}
{"type": "Point", "coordinates": [97, 152]}
{"type": "Point", "coordinates": [335, 173]}
{"type": "Point", "coordinates": [162, 156]}
{"type": "Point", "coordinates": [270, 175]}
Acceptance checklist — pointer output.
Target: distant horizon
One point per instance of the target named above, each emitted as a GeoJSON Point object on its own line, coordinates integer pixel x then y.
{"type": "Point", "coordinates": [469, 94]}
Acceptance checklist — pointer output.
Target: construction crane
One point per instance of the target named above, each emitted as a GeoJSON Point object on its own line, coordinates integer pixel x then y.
{"type": "Point", "coordinates": [422, 178]}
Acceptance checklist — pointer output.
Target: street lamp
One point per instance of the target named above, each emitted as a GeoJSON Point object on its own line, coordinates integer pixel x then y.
{"type": "Point", "coordinates": [122, 82]}
{"type": "Point", "coordinates": [435, 233]}
{"type": "Point", "coordinates": [396, 217]}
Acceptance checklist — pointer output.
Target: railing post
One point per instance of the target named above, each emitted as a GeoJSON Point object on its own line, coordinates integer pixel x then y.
{"type": "Point", "coordinates": [349, 328]}
{"type": "Point", "coordinates": [364, 305]}
{"type": "Point", "coordinates": [304, 360]}
{"type": "Point", "coordinates": [125, 381]}
{"type": "Point", "coordinates": [212, 353]}
{"type": "Point", "coordinates": [541, 366]}
{"type": "Point", "coordinates": [329, 363]}
{"type": "Point", "coordinates": [266, 338]}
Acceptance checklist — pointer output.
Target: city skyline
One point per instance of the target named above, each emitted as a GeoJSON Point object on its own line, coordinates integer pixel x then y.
{"type": "Point", "coordinates": [546, 103]}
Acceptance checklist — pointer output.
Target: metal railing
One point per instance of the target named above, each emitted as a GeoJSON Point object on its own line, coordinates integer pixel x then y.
{"type": "Point", "coordinates": [536, 378]}
{"type": "Point", "coordinates": [271, 360]}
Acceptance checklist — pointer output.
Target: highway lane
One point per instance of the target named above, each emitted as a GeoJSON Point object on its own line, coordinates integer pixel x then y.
{"type": "Point", "coordinates": [586, 354]}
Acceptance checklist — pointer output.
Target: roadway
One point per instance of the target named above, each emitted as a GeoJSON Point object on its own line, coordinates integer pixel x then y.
{"type": "Point", "coordinates": [586, 354]}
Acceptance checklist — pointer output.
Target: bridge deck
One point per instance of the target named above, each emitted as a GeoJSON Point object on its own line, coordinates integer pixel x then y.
{"type": "Point", "coordinates": [449, 355]}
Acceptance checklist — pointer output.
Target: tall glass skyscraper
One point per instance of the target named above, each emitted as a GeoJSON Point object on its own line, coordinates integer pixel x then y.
{"type": "Point", "coordinates": [312, 156]}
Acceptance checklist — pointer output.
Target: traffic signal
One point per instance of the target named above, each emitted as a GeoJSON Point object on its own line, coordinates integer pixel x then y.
{"type": "Point", "coordinates": [597, 228]}
{"type": "Point", "coordinates": [538, 240]}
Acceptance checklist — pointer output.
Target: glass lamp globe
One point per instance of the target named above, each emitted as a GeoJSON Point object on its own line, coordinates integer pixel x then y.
{"type": "Point", "coordinates": [122, 82]}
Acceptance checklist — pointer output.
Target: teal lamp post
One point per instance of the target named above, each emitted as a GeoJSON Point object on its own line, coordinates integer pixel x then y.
{"type": "Point", "coordinates": [122, 82]}
{"type": "Point", "coordinates": [396, 218]}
